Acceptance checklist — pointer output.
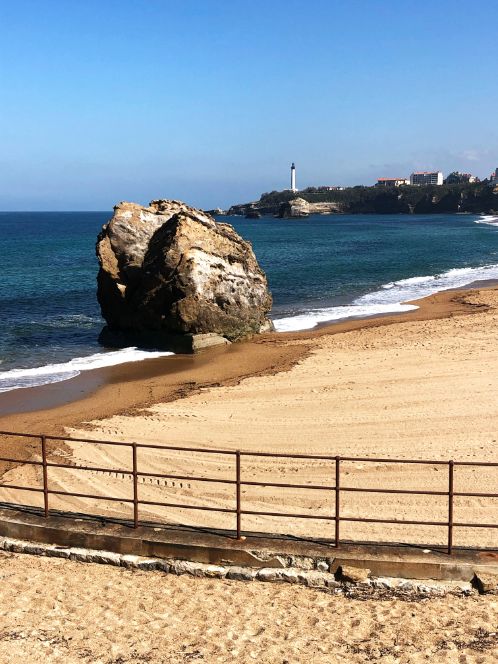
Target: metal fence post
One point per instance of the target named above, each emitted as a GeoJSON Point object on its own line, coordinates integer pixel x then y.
{"type": "Point", "coordinates": [135, 485]}
{"type": "Point", "coordinates": [450, 506]}
{"type": "Point", "coordinates": [45, 474]}
{"type": "Point", "coordinates": [237, 491]}
{"type": "Point", "coordinates": [337, 499]}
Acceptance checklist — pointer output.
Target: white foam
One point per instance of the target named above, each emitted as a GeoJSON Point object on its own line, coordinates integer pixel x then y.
{"type": "Point", "coordinates": [54, 373]}
{"type": "Point", "coordinates": [390, 298]}
{"type": "Point", "coordinates": [313, 318]}
{"type": "Point", "coordinates": [489, 219]}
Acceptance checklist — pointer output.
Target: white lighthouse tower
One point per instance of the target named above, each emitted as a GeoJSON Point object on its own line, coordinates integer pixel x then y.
{"type": "Point", "coordinates": [293, 178]}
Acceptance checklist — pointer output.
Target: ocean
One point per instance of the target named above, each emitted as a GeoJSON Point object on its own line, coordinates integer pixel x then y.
{"type": "Point", "coordinates": [320, 268]}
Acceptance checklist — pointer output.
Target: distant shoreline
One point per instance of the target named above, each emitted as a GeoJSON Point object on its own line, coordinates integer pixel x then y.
{"type": "Point", "coordinates": [269, 215]}
{"type": "Point", "coordinates": [475, 198]}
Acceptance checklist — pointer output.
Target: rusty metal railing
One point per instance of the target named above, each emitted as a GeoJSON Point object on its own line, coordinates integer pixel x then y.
{"type": "Point", "coordinates": [337, 489]}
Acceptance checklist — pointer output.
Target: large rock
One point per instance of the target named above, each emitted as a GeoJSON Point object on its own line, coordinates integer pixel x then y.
{"type": "Point", "coordinates": [170, 269]}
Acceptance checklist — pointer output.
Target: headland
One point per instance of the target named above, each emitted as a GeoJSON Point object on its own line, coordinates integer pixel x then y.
{"type": "Point", "coordinates": [466, 197]}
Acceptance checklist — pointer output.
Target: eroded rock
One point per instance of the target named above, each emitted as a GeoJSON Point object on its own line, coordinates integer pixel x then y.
{"type": "Point", "coordinates": [169, 269]}
{"type": "Point", "coordinates": [299, 207]}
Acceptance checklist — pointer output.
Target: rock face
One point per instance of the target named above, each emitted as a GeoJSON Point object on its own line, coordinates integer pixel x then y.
{"type": "Point", "coordinates": [169, 269]}
{"type": "Point", "coordinates": [299, 207]}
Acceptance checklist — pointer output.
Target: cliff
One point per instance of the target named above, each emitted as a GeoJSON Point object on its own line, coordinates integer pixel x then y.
{"type": "Point", "coordinates": [299, 207]}
{"type": "Point", "coordinates": [475, 198]}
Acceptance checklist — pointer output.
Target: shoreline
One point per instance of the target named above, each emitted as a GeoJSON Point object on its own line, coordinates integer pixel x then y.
{"type": "Point", "coordinates": [418, 386]}
{"type": "Point", "coordinates": [129, 387]}
{"type": "Point", "coordinates": [421, 386]}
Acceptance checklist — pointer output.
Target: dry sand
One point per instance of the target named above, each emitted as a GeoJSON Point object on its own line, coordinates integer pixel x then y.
{"type": "Point", "coordinates": [67, 612]}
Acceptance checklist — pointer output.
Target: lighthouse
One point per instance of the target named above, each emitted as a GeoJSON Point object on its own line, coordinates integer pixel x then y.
{"type": "Point", "coordinates": [293, 177]}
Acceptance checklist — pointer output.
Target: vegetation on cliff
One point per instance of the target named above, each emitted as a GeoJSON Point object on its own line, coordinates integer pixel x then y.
{"type": "Point", "coordinates": [477, 197]}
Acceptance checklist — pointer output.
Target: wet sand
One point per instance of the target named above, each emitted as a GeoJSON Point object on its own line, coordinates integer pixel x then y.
{"type": "Point", "coordinates": [125, 387]}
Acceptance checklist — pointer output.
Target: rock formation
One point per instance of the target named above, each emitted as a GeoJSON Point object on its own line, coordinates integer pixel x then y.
{"type": "Point", "coordinates": [299, 207]}
{"type": "Point", "coordinates": [169, 269]}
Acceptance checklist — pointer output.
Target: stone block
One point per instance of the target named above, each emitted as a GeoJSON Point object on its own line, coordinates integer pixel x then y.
{"type": "Point", "coordinates": [317, 579]}
{"type": "Point", "coordinates": [138, 562]}
{"type": "Point", "coordinates": [352, 574]}
{"type": "Point", "coordinates": [214, 571]}
{"type": "Point", "coordinates": [93, 556]}
{"type": "Point", "coordinates": [486, 583]}
{"type": "Point", "coordinates": [180, 567]}
{"type": "Point", "coordinates": [241, 573]}
{"type": "Point", "coordinates": [287, 575]}
{"type": "Point", "coordinates": [15, 546]}
{"type": "Point", "coordinates": [200, 342]}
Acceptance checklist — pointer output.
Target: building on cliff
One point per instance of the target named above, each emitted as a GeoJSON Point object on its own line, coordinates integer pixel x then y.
{"type": "Point", "coordinates": [392, 182]}
{"type": "Point", "coordinates": [426, 177]}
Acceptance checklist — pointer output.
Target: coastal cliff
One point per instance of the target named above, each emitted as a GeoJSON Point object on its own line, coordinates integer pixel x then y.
{"type": "Point", "coordinates": [169, 269]}
{"type": "Point", "coordinates": [299, 207]}
{"type": "Point", "coordinates": [471, 198]}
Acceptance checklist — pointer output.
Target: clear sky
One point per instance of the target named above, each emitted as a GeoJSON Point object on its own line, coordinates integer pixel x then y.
{"type": "Point", "coordinates": [209, 101]}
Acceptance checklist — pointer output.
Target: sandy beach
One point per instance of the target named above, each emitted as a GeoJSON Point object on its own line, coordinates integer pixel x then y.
{"type": "Point", "coordinates": [249, 333]}
{"type": "Point", "coordinates": [419, 386]}
{"type": "Point", "coordinates": [65, 611]}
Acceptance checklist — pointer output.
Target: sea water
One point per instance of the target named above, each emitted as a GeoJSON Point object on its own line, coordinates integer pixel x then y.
{"type": "Point", "coordinates": [319, 268]}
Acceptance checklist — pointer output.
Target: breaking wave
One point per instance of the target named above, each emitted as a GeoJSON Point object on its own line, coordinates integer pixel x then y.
{"type": "Point", "coordinates": [489, 219]}
{"type": "Point", "coordinates": [390, 298]}
{"type": "Point", "coordinates": [54, 373]}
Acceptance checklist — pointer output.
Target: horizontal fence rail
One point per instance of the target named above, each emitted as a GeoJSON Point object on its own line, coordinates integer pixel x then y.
{"type": "Point", "coordinates": [336, 489]}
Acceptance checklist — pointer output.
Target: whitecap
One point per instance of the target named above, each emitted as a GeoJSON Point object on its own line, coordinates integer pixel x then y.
{"type": "Point", "coordinates": [311, 319]}
{"type": "Point", "coordinates": [55, 373]}
{"type": "Point", "coordinates": [489, 219]}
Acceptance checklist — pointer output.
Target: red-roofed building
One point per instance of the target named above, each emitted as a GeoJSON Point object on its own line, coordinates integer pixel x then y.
{"type": "Point", "coordinates": [392, 182]}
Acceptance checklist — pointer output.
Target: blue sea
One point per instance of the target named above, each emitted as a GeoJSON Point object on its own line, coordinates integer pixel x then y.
{"type": "Point", "coordinates": [320, 268]}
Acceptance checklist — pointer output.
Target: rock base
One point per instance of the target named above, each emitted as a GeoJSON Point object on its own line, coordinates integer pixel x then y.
{"type": "Point", "coordinates": [200, 342]}
{"type": "Point", "coordinates": [176, 343]}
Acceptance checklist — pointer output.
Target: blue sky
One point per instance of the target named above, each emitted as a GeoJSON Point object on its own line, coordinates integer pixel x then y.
{"type": "Point", "coordinates": [209, 101]}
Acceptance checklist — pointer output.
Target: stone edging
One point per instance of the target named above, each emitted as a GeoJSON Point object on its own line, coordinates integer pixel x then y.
{"type": "Point", "coordinates": [307, 577]}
